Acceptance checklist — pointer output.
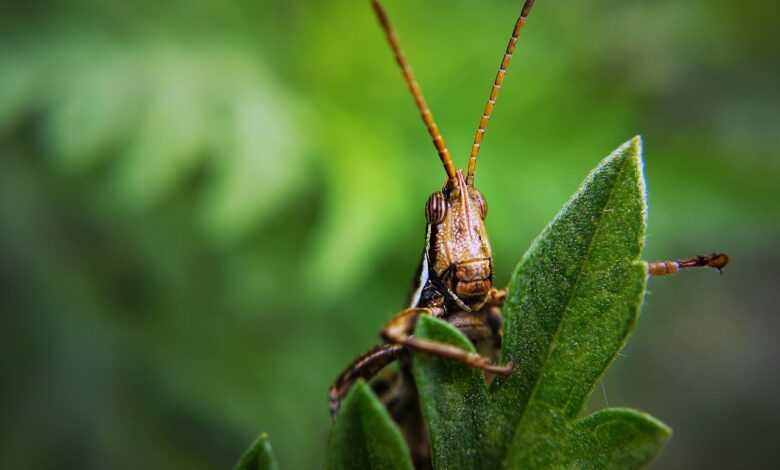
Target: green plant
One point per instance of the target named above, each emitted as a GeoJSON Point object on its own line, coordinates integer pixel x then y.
{"type": "Point", "coordinates": [259, 456]}
{"type": "Point", "coordinates": [573, 300]}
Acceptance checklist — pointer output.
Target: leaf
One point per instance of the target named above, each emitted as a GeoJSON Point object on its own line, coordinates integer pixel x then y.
{"type": "Point", "coordinates": [365, 436]}
{"type": "Point", "coordinates": [451, 394]}
{"type": "Point", "coordinates": [572, 302]}
{"type": "Point", "coordinates": [259, 456]}
{"type": "Point", "coordinates": [617, 438]}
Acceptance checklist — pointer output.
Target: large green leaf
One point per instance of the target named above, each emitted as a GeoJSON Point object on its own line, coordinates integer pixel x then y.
{"type": "Point", "coordinates": [573, 301]}
{"type": "Point", "coordinates": [364, 435]}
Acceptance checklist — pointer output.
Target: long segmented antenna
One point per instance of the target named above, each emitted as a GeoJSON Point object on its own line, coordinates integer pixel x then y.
{"type": "Point", "coordinates": [430, 124]}
{"type": "Point", "coordinates": [483, 122]}
{"type": "Point", "coordinates": [664, 268]}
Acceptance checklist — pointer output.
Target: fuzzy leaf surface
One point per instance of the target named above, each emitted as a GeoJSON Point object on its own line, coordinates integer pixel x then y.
{"type": "Point", "coordinates": [572, 303]}
{"type": "Point", "coordinates": [452, 397]}
{"type": "Point", "coordinates": [365, 436]}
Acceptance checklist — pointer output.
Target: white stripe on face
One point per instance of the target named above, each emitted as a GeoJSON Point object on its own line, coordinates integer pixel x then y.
{"type": "Point", "coordinates": [423, 271]}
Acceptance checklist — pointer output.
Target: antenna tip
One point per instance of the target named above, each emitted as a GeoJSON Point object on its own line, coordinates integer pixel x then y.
{"type": "Point", "coordinates": [380, 13]}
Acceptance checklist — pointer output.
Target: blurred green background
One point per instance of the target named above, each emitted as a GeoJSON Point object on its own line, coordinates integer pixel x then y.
{"type": "Point", "coordinates": [208, 208]}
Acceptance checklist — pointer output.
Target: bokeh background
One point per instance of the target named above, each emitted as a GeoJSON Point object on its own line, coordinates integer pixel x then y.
{"type": "Point", "coordinates": [208, 208]}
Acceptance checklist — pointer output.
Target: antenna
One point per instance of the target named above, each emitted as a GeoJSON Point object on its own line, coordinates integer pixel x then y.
{"type": "Point", "coordinates": [430, 124]}
{"type": "Point", "coordinates": [483, 122]}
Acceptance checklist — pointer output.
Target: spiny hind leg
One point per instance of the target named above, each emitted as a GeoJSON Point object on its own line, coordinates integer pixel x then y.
{"type": "Point", "coordinates": [664, 268]}
{"type": "Point", "coordinates": [364, 367]}
{"type": "Point", "coordinates": [399, 331]}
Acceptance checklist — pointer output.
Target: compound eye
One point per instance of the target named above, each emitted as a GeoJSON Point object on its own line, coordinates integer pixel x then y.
{"type": "Point", "coordinates": [436, 208]}
{"type": "Point", "coordinates": [483, 207]}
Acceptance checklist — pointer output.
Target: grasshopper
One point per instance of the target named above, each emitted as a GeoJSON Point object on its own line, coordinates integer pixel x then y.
{"type": "Point", "coordinates": [454, 279]}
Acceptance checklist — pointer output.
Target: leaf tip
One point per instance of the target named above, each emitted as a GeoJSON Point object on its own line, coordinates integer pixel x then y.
{"type": "Point", "coordinates": [259, 456]}
{"type": "Point", "coordinates": [633, 437]}
{"type": "Point", "coordinates": [661, 430]}
{"type": "Point", "coordinates": [364, 434]}
{"type": "Point", "coordinates": [359, 392]}
{"type": "Point", "coordinates": [439, 330]}
{"type": "Point", "coordinates": [634, 151]}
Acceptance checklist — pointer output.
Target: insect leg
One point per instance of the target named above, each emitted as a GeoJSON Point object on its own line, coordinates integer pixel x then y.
{"type": "Point", "coordinates": [364, 366]}
{"type": "Point", "coordinates": [663, 268]}
{"type": "Point", "coordinates": [496, 298]}
{"type": "Point", "coordinates": [493, 317]}
{"type": "Point", "coordinates": [399, 330]}
{"type": "Point", "coordinates": [495, 322]}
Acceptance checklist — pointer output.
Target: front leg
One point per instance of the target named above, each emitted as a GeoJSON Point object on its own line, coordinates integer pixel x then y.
{"type": "Point", "coordinates": [493, 317]}
{"type": "Point", "coordinates": [365, 367]}
{"type": "Point", "coordinates": [399, 331]}
{"type": "Point", "coordinates": [496, 298]}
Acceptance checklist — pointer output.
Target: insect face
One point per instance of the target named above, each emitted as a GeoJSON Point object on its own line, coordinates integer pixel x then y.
{"type": "Point", "coordinates": [461, 261]}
